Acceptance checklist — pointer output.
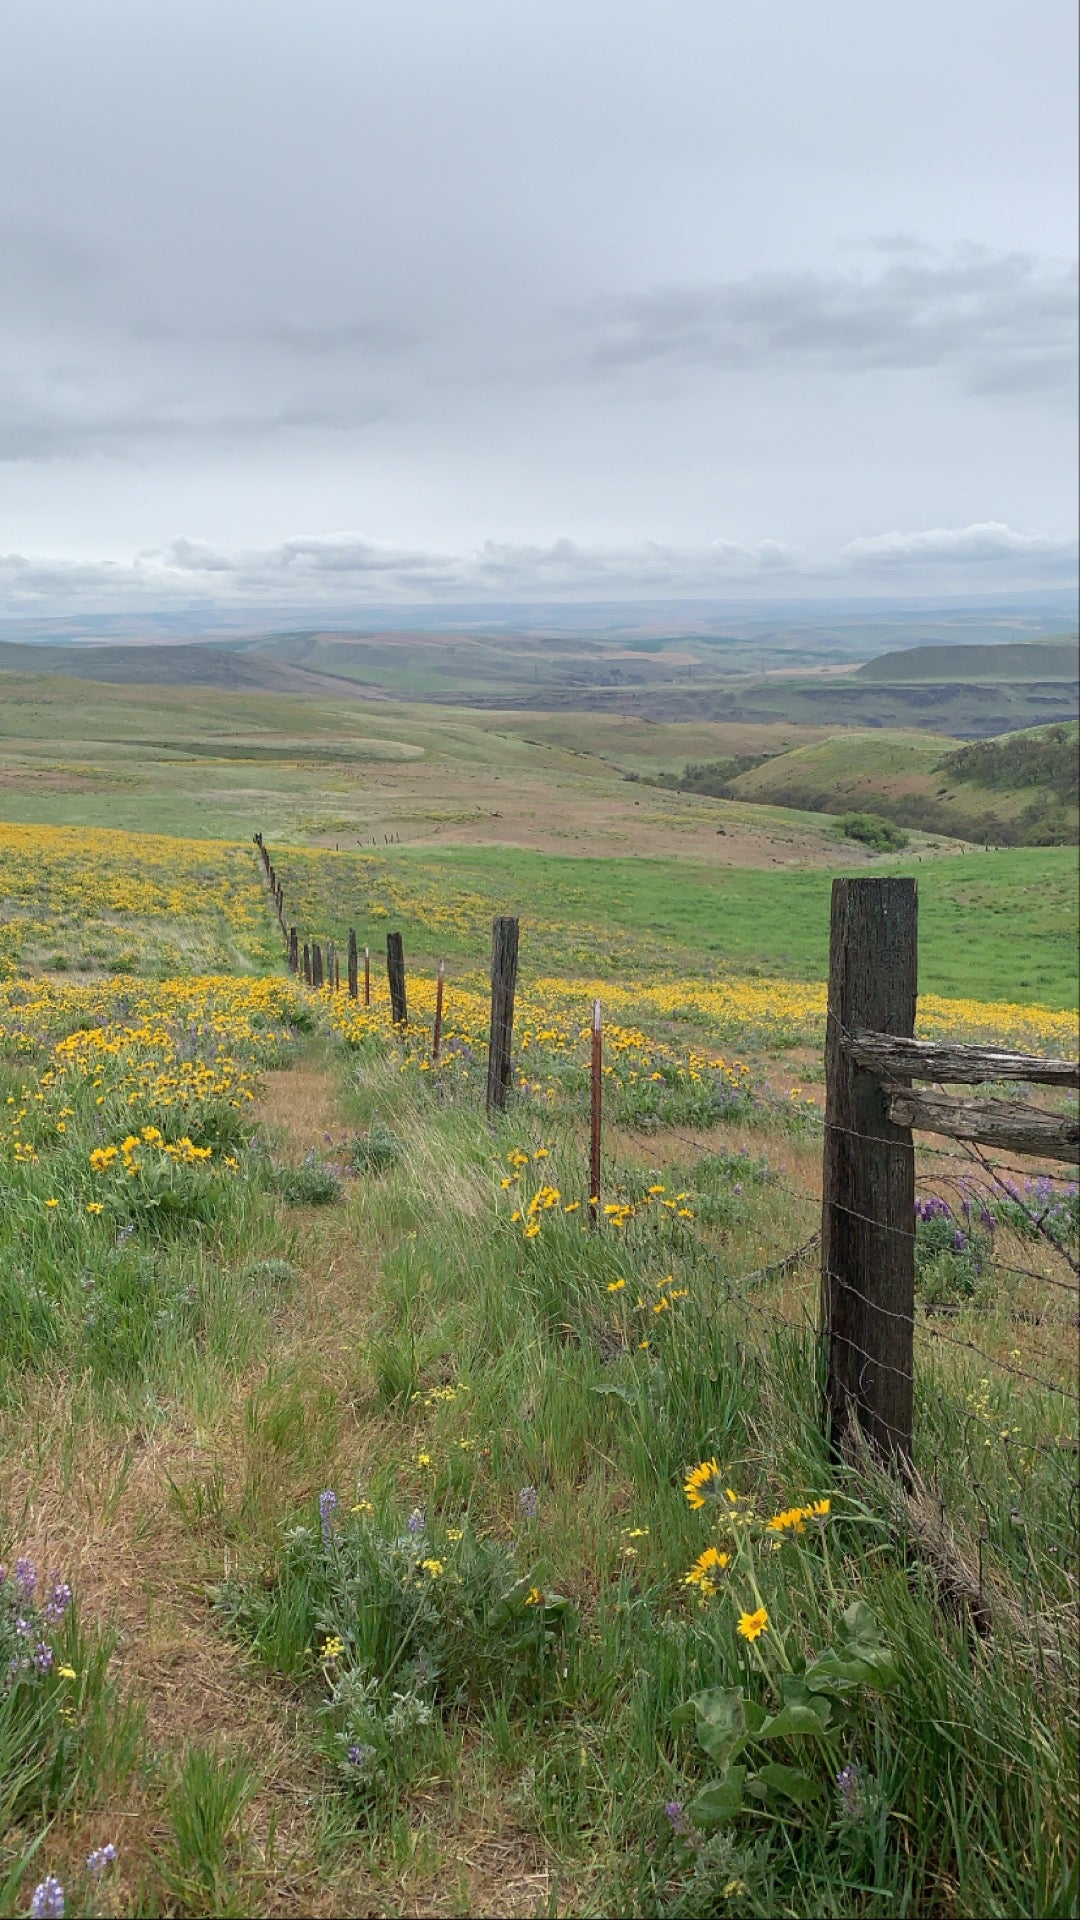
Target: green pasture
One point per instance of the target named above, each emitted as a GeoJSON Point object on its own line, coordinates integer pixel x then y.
{"type": "Point", "coordinates": [992, 926]}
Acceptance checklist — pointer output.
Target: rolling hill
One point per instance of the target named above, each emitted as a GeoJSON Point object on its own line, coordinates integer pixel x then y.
{"type": "Point", "coordinates": [1017, 790]}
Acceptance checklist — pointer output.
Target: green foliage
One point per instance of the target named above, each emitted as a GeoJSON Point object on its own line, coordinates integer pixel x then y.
{"type": "Point", "coordinates": [376, 1150]}
{"type": "Point", "coordinates": [206, 1802]}
{"type": "Point", "coordinates": [406, 1622]}
{"type": "Point", "coordinates": [311, 1184]}
{"type": "Point", "coordinates": [872, 831]}
{"type": "Point", "coordinates": [1044, 757]}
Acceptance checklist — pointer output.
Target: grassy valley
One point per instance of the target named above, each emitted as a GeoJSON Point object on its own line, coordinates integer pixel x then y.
{"type": "Point", "coordinates": [379, 1536]}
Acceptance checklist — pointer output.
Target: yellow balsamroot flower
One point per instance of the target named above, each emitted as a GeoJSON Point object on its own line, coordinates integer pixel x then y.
{"type": "Point", "coordinates": [66, 1673]}
{"type": "Point", "coordinates": [702, 1483]}
{"type": "Point", "coordinates": [790, 1521]}
{"type": "Point", "coordinates": [52, 1203]}
{"type": "Point", "coordinates": [616, 1286]}
{"type": "Point", "coordinates": [751, 1624]}
{"type": "Point", "coordinates": [94, 1206]}
{"type": "Point", "coordinates": [705, 1569]}
{"type": "Point", "coordinates": [533, 1597]}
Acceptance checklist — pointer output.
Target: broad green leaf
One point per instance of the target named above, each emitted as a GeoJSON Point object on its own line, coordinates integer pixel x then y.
{"type": "Point", "coordinates": [795, 1718]}
{"type": "Point", "coordinates": [631, 1395]}
{"type": "Point", "coordinates": [791, 1782]}
{"type": "Point", "coordinates": [719, 1800]}
{"type": "Point", "coordinates": [721, 1722]}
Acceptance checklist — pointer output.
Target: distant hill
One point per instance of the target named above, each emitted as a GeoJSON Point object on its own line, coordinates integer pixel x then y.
{"type": "Point", "coordinates": [1017, 790]}
{"type": "Point", "coordinates": [1025, 660]}
{"type": "Point", "coordinates": [168, 666]}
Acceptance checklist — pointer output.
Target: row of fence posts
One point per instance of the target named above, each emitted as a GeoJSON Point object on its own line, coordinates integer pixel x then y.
{"type": "Point", "coordinates": [318, 970]}
{"type": "Point", "coordinates": [867, 1321]}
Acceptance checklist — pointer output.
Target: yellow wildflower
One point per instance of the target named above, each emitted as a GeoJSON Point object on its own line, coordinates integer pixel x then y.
{"type": "Point", "coordinates": [751, 1624]}
{"type": "Point", "coordinates": [705, 1569]}
{"type": "Point", "coordinates": [702, 1483]}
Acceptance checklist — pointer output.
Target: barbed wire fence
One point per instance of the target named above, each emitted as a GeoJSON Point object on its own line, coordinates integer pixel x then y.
{"type": "Point", "coordinates": [894, 1382]}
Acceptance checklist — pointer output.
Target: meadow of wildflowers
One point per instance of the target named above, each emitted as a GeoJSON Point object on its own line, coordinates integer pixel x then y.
{"type": "Point", "coordinates": [458, 1523]}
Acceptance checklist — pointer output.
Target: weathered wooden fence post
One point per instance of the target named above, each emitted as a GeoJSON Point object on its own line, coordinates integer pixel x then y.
{"type": "Point", "coordinates": [367, 976]}
{"type": "Point", "coordinates": [436, 1038]}
{"type": "Point", "coordinates": [331, 962]}
{"type": "Point", "coordinates": [353, 984]}
{"type": "Point", "coordinates": [596, 1078]}
{"type": "Point", "coordinates": [316, 964]}
{"type": "Point", "coordinates": [395, 973]}
{"type": "Point", "coordinates": [504, 959]}
{"type": "Point", "coordinates": [294, 951]}
{"type": "Point", "coordinates": [868, 1181]}
{"type": "Point", "coordinates": [307, 964]}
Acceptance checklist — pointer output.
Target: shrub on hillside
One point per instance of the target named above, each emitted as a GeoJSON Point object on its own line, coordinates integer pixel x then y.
{"type": "Point", "coordinates": [872, 831]}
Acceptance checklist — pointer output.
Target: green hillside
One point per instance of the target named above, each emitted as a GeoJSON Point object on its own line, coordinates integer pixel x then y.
{"type": "Point", "coordinates": [1016, 790]}
{"type": "Point", "coordinates": [1023, 660]}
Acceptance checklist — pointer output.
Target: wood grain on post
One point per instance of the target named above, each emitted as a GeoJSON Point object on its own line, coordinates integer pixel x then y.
{"type": "Point", "coordinates": [367, 976]}
{"type": "Point", "coordinates": [353, 982]}
{"type": "Point", "coordinates": [395, 974]}
{"type": "Point", "coordinates": [307, 963]}
{"type": "Point", "coordinates": [294, 951]}
{"type": "Point", "coordinates": [316, 964]}
{"type": "Point", "coordinates": [868, 1208]}
{"type": "Point", "coordinates": [504, 960]}
{"type": "Point", "coordinates": [595, 1112]}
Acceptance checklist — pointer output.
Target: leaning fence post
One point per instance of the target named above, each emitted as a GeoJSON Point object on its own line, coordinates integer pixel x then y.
{"type": "Point", "coordinates": [395, 973]}
{"type": "Point", "coordinates": [596, 1082]}
{"type": "Point", "coordinates": [436, 1038]}
{"type": "Point", "coordinates": [504, 958]}
{"type": "Point", "coordinates": [868, 1178]}
{"type": "Point", "coordinates": [353, 987]}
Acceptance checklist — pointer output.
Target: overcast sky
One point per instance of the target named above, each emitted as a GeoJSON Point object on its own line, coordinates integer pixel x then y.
{"type": "Point", "coordinates": [365, 300]}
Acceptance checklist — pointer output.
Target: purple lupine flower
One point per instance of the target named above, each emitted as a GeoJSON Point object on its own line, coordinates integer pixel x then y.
{"type": "Point", "coordinates": [847, 1781]}
{"type": "Point", "coordinates": [101, 1858]}
{"type": "Point", "coordinates": [360, 1757]}
{"type": "Point", "coordinates": [959, 1241]}
{"type": "Point", "coordinates": [327, 1507]}
{"type": "Point", "coordinates": [23, 1627]}
{"type": "Point", "coordinates": [25, 1578]}
{"type": "Point", "coordinates": [47, 1902]}
{"type": "Point", "coordinates": [57, 1603]}
{"type": "Point", "coordinates": [43, 1657]}
{"type": "Point", "coordinates": [415, 1521]}
{"type": "Point", "coordinates": [529, 1501]}
{"type": "Point", "coordinates": [676, 1815]}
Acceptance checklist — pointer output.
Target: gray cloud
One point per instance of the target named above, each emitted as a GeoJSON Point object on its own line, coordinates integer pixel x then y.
{"type": "Point", "coordinates": [540, 294]}
{"type": "Point", "coordinates": [337, 568]}
{"type": "Point", "coordinates": [1000, 322]}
